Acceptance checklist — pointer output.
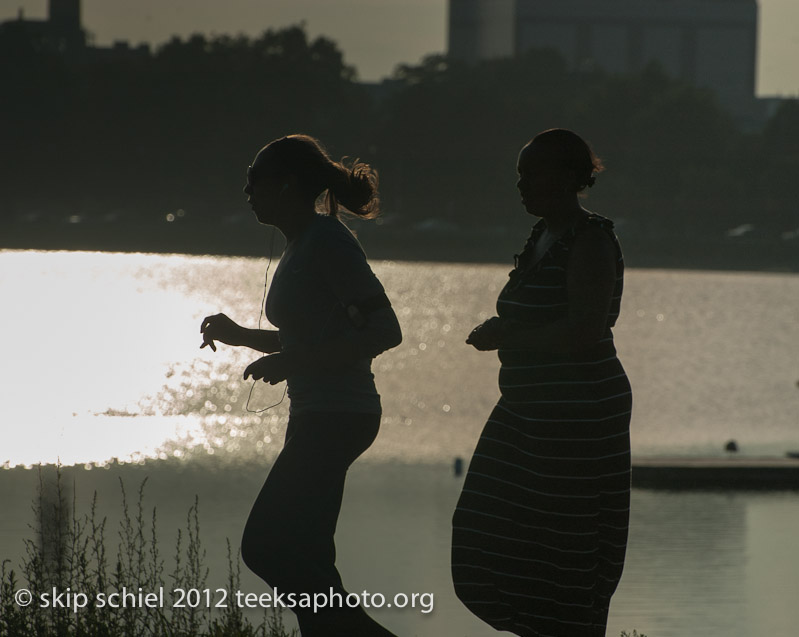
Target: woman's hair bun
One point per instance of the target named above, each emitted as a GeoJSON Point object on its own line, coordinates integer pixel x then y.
{"type": "Point", "coordinates": [355, 188]}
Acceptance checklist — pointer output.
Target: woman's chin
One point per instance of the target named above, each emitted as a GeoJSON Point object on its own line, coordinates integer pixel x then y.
{"type": "Point", "coordinates": [261, 217]}
{"type": "Point", "coordinates": [529, 209]}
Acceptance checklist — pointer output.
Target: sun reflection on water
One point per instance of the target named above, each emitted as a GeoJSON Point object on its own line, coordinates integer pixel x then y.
{"type": "Point", "coordinates": [90, 373]}
{"type": "Point", "coordinates": [101, 360]}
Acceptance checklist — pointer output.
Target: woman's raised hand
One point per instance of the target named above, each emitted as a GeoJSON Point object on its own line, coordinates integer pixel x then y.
{"type": "Point", "coordinates": [219, 328]}
{"type": "Point", "coordinates": [487, 335]}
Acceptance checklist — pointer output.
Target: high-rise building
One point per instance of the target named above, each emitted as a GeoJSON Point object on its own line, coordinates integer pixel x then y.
{"type": "Point", "coordinates": [65, 15]}
{"type": "Point", "coordinates": [711, 43]}
{"type": "Point", "coordinates": [61, 31]}
{"type": "Point", "coordinates": [64, 33]}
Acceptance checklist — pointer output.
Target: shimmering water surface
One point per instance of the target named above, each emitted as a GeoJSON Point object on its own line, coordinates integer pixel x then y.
{"type": "Point", "coordinates": [101, 360]}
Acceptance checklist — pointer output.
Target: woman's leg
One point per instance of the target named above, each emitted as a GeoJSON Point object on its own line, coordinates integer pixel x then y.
{"type": "Point", "coordinates": [289, 537]}
{"type": "Point", "coordinates": [524, 542]}
{"type": "Point", "coordinates": [614, 519]}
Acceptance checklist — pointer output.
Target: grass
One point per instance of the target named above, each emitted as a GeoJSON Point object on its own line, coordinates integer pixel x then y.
{"type": "Point", "coordinates": [70, 553]}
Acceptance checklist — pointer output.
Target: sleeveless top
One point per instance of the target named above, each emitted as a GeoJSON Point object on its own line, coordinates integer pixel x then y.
{"type": "Point", "coordinates": [537, 294]}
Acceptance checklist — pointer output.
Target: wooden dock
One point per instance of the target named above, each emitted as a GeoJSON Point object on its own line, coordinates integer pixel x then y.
{"type": "Point", "coordinates": [728, 472]}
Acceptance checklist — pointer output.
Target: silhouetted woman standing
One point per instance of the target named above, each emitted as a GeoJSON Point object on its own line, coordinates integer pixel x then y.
{"type": "Point", "coordinates": [333, 318]}
{"type": "Point", "coordinates": [540, 529]}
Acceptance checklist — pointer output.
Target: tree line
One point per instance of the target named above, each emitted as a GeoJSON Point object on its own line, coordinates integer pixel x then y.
{"type": "Point", "coordinates": [138, 137]}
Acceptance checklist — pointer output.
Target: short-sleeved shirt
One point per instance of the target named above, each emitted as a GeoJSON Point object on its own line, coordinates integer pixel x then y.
{"type": "Point", "coordinates": [321, 272]}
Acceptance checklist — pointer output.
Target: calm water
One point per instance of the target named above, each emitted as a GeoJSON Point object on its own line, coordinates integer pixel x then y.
{"type": "Point", "coordinates": [101, 359]}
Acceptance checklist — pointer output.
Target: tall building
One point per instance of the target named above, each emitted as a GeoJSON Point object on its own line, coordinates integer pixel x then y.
{"type": "Point", "coordinates": [65, 15]}
{"type": "Point", "coordinates": [62, 30]}
{"type": "Point", "coordinates": [711, 43]}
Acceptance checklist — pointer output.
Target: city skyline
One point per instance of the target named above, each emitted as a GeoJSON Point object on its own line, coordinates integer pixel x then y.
{"type": "Point", "coordinates": [375, 35]}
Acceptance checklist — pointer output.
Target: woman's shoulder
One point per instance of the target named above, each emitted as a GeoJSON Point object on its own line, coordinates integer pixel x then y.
{"type": "Point", "coordinates": [594, 238]}
{"type": "Point", "coordinates": [593, 226]}
{"type": "Point", "coordinates": [330, 240]}
{"type": "Point", "coordinates": [594, 220]}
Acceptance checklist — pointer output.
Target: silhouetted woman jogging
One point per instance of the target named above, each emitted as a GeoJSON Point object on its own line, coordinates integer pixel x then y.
{"type": "Point", "coordinates": [540, 529]}
{"type": "Point", "coordinates": [333, 318]}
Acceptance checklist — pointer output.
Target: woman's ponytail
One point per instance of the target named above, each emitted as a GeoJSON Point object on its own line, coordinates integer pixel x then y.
{"type": "Point", "coordinates": [354, 187]}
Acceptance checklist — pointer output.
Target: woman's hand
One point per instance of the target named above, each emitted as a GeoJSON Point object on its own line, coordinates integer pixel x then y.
{"type": "Point", "coordinates": [487, 335]}
{"type": "Point", "coordinates": [271, 369]}
{"type": "Point", "coordinates": [220, 328]}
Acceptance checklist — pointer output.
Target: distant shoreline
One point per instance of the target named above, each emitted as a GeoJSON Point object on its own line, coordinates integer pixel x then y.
{"type": "Point", "coordinates": [399, 244]}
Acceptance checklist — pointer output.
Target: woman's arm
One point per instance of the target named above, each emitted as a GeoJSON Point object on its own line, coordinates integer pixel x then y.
{"type": "Point", "coordinates": [223, 329]}
{"type": "Point", "coordinates": [590, 282]}
{"type": "Point", "coordinates": [374, 326]}
{"type": "Point", "coordinates": [372, 334]}
{"type": "Point", "coordinates": [380, 332]}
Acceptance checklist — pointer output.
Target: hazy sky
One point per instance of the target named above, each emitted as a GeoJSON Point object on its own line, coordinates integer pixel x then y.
{"type": "Point", "coordinates": [375, 35]}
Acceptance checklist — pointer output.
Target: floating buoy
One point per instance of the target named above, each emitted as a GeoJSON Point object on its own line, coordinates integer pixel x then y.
{"type": "Point", "coordinates": [731, 446]}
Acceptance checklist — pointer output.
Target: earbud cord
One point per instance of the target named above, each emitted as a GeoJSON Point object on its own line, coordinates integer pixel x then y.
{"type": "Point", "coordinates": [260, 318]}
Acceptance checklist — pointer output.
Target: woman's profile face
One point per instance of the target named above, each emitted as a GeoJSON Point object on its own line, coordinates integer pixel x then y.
{"type": "Point", "coordinates": [262, 192]}
{"type": "Point", "coordinates": [538, 181]}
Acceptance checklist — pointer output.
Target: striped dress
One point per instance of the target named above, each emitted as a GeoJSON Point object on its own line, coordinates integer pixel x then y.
{"type": "Point", "coordinates": [540, 529]}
